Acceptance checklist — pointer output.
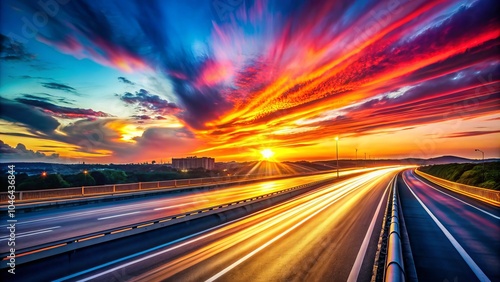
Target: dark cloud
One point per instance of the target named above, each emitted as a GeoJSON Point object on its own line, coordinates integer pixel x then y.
{"type": "Point", "coordinates": [91, 136]}
{"type": "Point", "coordinates": [151, 102]}
{"type": "Point", "coordinates": [29, 117]}
{"type": "Point", "coordinates": [11, 50]}
{"type": "Point", "coordinates": [21, 153]}
{"type": "Point", "coordinates": [18, 134]}
{"type": "Point", "coordinates": [34, 97]}
{"type": "Point", "coordinates": [59, 86]}
{"type": "Point", "coordinates": [31, 77]}
{"type": "Point", "coordinates": [49, 98]}
{"type": "Point", "coordinates": [142, 117]}
{"type": "Point", "coordinates": [62, 112]}
{"type": "Point", "coordinates": [124, 80]}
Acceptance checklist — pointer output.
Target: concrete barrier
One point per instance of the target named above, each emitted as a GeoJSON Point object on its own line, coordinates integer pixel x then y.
{"type": "Point", "coordinates": [486, 195]}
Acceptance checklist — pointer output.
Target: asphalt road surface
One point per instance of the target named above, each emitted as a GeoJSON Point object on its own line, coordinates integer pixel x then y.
{"type": "Point", "coordinates": [328, 234]}
{"type": "Point", "coordinates": [452, 237]}
{"type": "Point", "coordinates": [35, 228]}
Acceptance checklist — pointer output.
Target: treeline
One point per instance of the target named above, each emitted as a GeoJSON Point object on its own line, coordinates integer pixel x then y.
{"type": "Point", "coordinates": [469, 174]}
{"type": "Point", "coordinates": [97, 177]}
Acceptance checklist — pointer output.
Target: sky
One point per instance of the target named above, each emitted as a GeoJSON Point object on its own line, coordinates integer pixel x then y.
{"type": "Point", "coordinates": [134, 81]}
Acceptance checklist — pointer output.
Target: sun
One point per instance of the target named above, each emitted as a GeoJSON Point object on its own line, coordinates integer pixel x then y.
{"type": "Point", "coordinates": [267, 153]}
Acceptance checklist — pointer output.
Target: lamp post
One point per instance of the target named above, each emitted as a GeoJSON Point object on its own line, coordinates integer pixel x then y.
{"type": "Point", "coordinates": [477, 150]}
{"type": "Point", "coordinates": [337, 145]}
{"type": "Point", "coordinates": [85, 172]}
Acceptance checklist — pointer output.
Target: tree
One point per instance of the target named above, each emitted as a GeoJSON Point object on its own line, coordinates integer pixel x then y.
{"type": "Point", "coordinates": [99, 177]}
{"type": "Point", "coordinates": [80, 179]}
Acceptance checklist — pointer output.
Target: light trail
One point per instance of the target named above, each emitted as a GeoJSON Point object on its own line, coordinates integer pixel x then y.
{"type": "Point", "coordinates": [261, 227]}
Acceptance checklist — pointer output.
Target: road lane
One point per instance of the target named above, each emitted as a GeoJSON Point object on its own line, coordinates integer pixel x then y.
{"type": "Point", "coordinates": [317, 236]}
{"type": "Point", "coordinates": [81, 220]}
{"type": "Point", "coordinates": [452, 237]}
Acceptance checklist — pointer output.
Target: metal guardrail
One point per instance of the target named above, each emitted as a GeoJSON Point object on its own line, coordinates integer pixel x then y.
{"type": "Point", "coordinates": [394, 266]}
{"type": "Point", "coordinates": [61, 246]}
{"type": "Point", "coordinates": [482, 194]}
{"type": "Point", "coordinates": [84, 191]}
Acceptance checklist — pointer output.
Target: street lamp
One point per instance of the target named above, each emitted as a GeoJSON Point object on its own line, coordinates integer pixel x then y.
{"type": "Point", "coordinates": [85, 172]}
{"type": "Point", "coordinates": [337, 145]}
{"type": "Point", "coordinates": [477, 150]}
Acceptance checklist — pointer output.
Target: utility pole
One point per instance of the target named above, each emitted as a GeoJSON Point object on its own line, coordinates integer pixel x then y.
{"type": "Point", "coordinates": [356, 157]}
{"type": "Point", "coordinates": [337, 143]}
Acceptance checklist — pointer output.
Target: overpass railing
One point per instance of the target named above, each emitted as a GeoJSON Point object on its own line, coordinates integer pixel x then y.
{"type": "Point", "coordinates": [86, 191]}
{"type": "Point", "coordinates": [482, 194]}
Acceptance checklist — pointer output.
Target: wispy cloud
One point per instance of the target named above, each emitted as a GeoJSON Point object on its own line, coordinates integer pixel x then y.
{"type": "Point", "coordinates": [150, 102]}
{"type": "Point", "coordinates": [471, 133]}
{"type": "Point", "coordinates": [60, 111]}
{"type": "Point", "coordinates": [58, 86]}
{"type": "Point", "coordinates": [124, 80]}
{"type": "Point", "coordinates": [11, 50]}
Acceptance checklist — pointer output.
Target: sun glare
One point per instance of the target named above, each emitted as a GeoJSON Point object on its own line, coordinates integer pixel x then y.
{"type": "Point", "coordinates": [267, 153]}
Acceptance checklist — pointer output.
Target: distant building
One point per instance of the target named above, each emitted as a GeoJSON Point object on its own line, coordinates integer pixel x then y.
{"type": "Point", "coordinates": [193, 162]}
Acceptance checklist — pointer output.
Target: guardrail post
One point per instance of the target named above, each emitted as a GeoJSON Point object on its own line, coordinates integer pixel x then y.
{"type": "Point", "coordinates": [114, 188]}
{"type": "Point", "coordinates": [140, 185]}
{"type": "Point", "coordinates": [175, 183]}
{"type": "Point", "coordinates": [158, 184]}
{"type": "Point", "coordinates": [83, 191]}
{"type": "Point", "coordinates": [21, 195]}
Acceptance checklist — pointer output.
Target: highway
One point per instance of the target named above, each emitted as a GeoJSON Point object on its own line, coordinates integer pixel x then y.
{"type": "Point", "coordinates": [327, 234]}
{"type": "Point", "coordinates": [35, 228]}
{"type": "Point", "coordinates": [452, 237]}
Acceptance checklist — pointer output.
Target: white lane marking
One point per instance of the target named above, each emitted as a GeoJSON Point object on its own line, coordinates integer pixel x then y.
{"type": "Point", "coordinates": [475, 268]}
{"type": "Point", "coordinates": [118, 215]}
{"type": "Point", "coordinates": [22, 233]}
{"type": "Point", "coordinates": [180, 205]}
{"type": "Point", "coordinates": [479, 209]}
{"type": "Point", "coordinates": [353, 275]}
{"type": "Point", "coordinates": [249, 255]}
{"type": "Point", "coordinates": [34, 232]}
{"type": "Point", "coordinates": [26, 235]}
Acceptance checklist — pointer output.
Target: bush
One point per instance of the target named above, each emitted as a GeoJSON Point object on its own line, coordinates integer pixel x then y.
{"type": "Point", "coordinates": [479, 175]}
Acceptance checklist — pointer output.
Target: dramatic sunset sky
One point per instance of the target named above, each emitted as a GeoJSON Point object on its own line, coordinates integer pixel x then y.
{"type": "Point", "coordinates": [129, 81]}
